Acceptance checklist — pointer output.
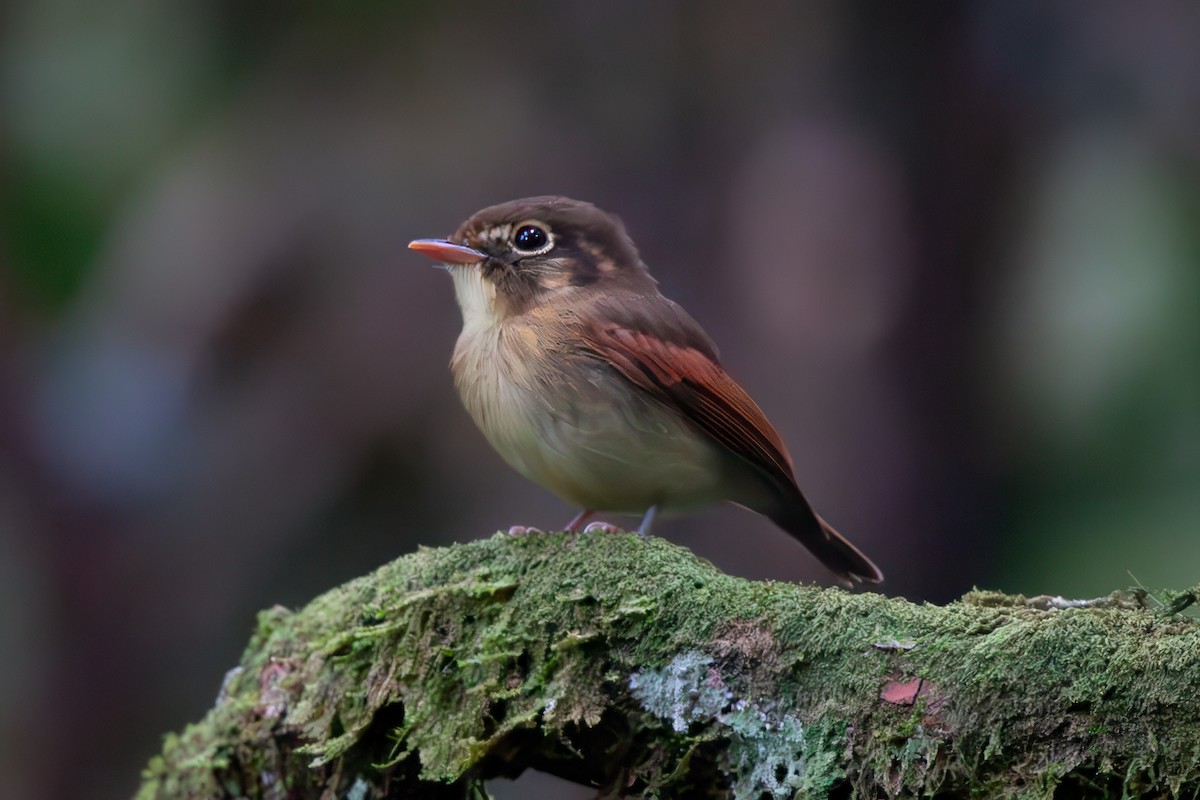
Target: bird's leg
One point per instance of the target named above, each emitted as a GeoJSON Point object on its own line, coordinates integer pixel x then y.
{"type": "Point", "coordinates": [647, 521]}
{"type": "Point", "coordinates": [522, 530]}
{"type": "Point", "coordinates": [583, 516]}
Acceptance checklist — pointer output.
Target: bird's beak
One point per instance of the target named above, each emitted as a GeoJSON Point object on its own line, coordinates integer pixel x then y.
{"type": "Point", "coordinates": [447, 252]}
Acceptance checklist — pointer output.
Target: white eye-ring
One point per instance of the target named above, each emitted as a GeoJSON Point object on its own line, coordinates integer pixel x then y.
{"type": "Point", "coordinates": [532, 239]}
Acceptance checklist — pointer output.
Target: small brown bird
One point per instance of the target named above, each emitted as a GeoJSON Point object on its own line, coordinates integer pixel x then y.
{"type": "Point", "coordinates": [592, 384]}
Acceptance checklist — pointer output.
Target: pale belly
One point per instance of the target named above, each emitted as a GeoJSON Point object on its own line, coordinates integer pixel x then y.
{"type": "Point", "coordinates": [589, 437]}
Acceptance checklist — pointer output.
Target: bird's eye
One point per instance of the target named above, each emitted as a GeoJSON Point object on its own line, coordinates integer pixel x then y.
{"type": "Point", "coordinates": [531, 239]}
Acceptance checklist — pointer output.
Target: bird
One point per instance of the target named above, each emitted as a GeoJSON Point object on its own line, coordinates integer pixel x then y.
{"type": "Point", "coordinates": [589, 382]}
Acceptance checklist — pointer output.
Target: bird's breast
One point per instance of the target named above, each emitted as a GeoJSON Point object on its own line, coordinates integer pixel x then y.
{"type": "Point", "coordinates": [571, 424]}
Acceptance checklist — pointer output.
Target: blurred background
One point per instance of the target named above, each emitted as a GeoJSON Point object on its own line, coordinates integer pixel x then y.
{"type": "Point", "coordinates": [952, 249]}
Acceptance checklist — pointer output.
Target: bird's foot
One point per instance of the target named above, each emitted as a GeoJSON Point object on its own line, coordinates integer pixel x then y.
{"type": "Point", "coordinates": [577, 523]}
{"type": "Point", "coordinates": [523, 530]}
{"type": "Point", "coordinates": [602, 527]}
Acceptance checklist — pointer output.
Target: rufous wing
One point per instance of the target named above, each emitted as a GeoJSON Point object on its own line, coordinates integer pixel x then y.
{"type": "Point", "coordinates": [680, 370]}
{"type": "Point", "coordinates": [694, 384]}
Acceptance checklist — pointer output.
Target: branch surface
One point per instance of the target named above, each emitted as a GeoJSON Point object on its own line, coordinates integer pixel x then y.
{"type": "Point", "coordinates": [631, 665]}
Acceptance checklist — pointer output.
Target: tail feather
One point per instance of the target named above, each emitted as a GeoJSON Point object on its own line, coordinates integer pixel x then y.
{"type": "Point", "coordinates": [830, 547]}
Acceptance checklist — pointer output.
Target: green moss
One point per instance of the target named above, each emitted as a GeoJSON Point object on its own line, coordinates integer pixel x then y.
{"type": "Point", "coordinates": [630, 662]}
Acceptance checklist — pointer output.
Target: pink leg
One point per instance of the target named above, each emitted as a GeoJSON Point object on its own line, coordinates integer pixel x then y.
{"type": "Point", "coordinates": [583, 516]}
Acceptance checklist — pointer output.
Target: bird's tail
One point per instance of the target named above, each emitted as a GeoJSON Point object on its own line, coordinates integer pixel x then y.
{"type": "Point", "coordinates": [830, 547]}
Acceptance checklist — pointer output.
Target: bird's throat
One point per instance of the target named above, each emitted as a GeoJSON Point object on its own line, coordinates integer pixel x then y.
{"type": "Point", "coordinates": [476, 298]}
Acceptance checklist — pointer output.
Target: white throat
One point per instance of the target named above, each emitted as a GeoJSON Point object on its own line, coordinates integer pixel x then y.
{"type": "Point", "coordinates": [476, 297]}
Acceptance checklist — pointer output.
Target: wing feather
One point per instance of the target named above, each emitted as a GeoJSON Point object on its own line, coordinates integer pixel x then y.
{"type": "Point", "coordinates": [657, 347]}
{"type": "Point", "coordinates": [702, 392]}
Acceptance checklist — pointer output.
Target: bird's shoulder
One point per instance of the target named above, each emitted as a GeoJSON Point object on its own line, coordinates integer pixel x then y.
{"type": "Point", "coordinates": [648, 317]}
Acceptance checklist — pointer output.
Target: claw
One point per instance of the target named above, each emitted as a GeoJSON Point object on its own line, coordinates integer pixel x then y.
{"type": "Point", "coordinates": [583, 516]}
{"type": "Point", "coordinates": [601, 527]}
{"type": "Point", "coordinates": [522, 530]}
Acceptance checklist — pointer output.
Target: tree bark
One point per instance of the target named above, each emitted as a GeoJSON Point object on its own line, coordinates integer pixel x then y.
{"type": "Point", "coordinates": [630, 665]}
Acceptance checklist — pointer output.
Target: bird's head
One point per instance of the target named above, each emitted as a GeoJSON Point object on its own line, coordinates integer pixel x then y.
{"type": "Point", "coordinates": [509, 258]}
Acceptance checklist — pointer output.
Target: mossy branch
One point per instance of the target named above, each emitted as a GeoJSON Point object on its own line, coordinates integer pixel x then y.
{"type": "Point", "coordinates": [633, 666]}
